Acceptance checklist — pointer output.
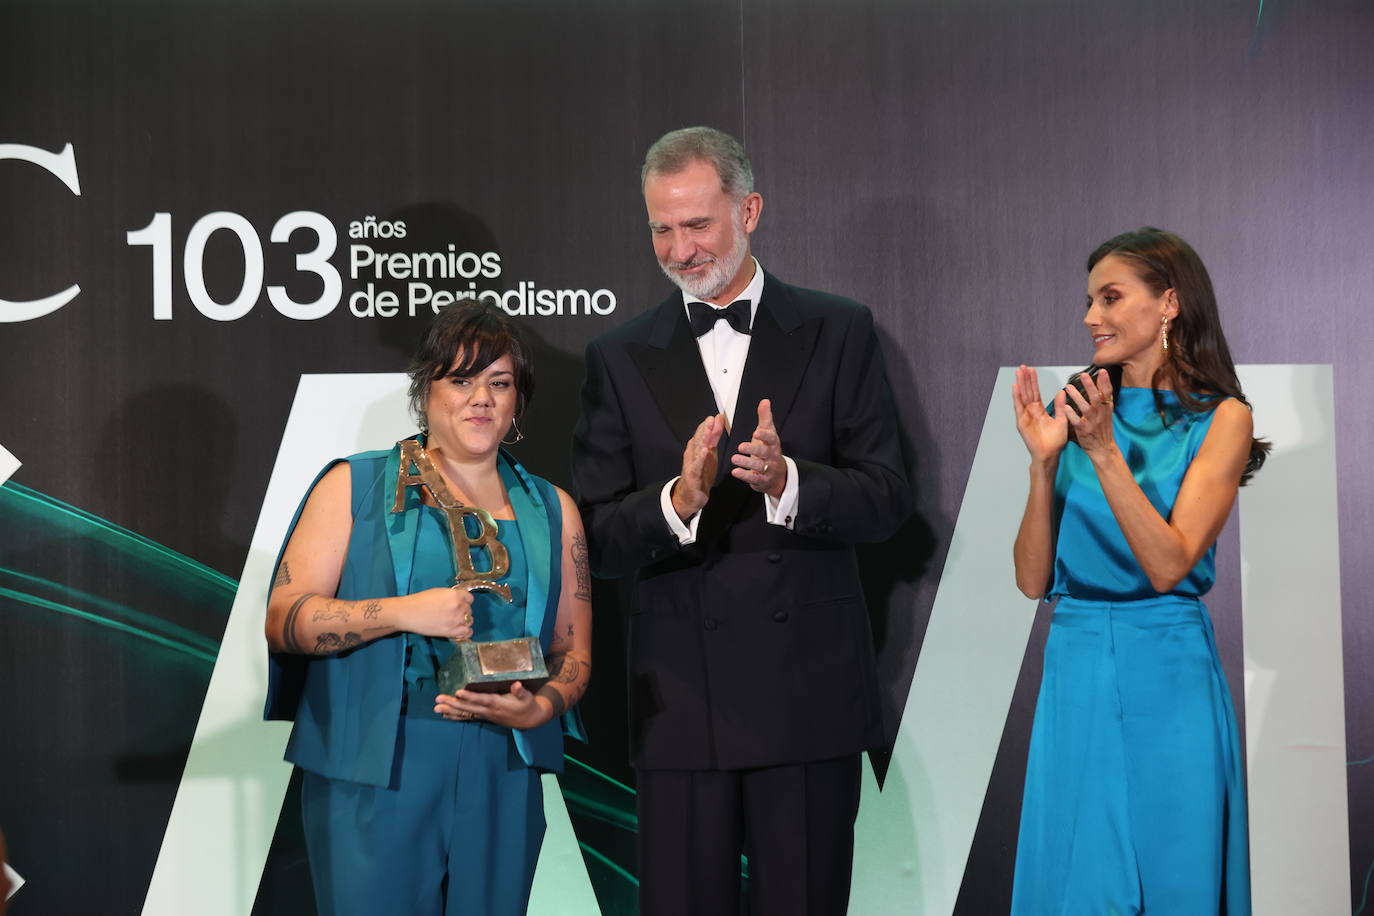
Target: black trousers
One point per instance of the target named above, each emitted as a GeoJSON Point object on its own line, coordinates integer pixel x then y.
{"type": "Point", "coordinates": [794, 822]}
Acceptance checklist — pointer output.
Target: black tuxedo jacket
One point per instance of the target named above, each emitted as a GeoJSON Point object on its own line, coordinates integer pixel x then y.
{"type": "Point", "coordinates": [750, 647]}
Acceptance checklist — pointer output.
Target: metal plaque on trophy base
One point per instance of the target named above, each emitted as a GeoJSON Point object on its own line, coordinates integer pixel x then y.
{"type": "Point", "coordinates": [491, 667]}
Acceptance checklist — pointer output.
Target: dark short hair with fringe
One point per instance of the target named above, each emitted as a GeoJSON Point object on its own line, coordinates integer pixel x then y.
{"type": "Point", "coordinates": [480, 334]}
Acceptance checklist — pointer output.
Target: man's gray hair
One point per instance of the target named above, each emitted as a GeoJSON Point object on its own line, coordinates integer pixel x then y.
{"type": "Point", "coordinates": [676, 150]}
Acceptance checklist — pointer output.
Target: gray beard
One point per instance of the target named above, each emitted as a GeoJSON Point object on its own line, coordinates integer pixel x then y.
{"type": "Point", "coordinates": [718, 275]}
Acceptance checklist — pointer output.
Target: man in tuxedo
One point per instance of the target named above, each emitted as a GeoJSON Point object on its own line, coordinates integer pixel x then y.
{"type": "Point", "coordinates": [734, 443]}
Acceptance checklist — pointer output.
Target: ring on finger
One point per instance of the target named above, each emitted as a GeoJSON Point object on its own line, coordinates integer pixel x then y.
{"type": "Point", "coordinates": [467, 620]}
{"type": "Point", "coordinates": [765, 467]}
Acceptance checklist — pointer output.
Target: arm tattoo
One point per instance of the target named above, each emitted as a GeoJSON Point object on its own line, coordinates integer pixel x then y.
{"type": "Point", "coordinates": [562, 641]}
{"type": "Point", "coordinates": [329, 643]}
{"type": "Point", "coordinates": [555, 665]}
{"type": "Point", "coordinates": [584, 576]}
{"type": "Point", "coordinates": [288, 629]}
{"type": "Point", "coordinates": [372, 609]}
{"type": "Point", "coordinates": [564, 669]}
{"type": "Point", "coordinates": [283, 575]}
{"type": "Point", "coordinates": [549, 693]}
{"type": "Point", "coordinates": [333, 610]}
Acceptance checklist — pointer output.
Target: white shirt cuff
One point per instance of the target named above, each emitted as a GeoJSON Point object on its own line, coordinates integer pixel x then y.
{"type": "Point", "coordinates": [783, 510]}
{"type": "Point", "coordinates": [686, 533]}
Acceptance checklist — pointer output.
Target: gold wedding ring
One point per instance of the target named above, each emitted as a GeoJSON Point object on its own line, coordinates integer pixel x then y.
{"type": "Point", "coordinates": [765, 467]}
{"type": "Point", "coordinates": [467, 620]}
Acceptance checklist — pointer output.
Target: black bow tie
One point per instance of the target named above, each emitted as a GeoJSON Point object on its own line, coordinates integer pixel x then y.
{"type": "Point", "coordinates": [702, 316]}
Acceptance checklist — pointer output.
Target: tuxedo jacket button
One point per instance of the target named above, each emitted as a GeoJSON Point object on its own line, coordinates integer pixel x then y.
{"type": "Point", "coordinates": [775, 558]}
{"type": "Point", "coordinates": [710, 623]}
{"type": "Point", "coordinates": [780, 616]}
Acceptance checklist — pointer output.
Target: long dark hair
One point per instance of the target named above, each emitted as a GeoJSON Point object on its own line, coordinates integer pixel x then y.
{"type": "Point", "coordinates": [1198, 367]}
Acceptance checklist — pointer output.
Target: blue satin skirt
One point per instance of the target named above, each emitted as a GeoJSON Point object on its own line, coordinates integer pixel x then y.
{"type": "Point", "coordinates": [1135, 795]}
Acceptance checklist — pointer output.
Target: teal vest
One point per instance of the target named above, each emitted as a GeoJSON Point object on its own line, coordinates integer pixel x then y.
{"type": "Point", "coordinates": [347, 708]}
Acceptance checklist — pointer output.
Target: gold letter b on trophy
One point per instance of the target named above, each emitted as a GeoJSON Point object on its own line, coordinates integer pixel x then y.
{"type": "Point", "coordinates": [418, 470]}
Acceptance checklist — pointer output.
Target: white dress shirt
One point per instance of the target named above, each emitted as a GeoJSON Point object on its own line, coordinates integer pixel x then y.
{"type": "Point", "coordinates": [723, 353]}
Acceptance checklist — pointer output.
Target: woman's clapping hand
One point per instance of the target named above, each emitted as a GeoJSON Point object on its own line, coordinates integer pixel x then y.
{"type": "Point", "coordinates": [1043, 434]}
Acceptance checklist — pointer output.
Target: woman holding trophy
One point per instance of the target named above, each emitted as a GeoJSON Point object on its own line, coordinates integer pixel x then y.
{"type": "Point", "coordinates": [422, 751]}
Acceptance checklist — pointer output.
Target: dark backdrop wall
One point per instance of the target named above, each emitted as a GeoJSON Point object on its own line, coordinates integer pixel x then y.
{"type": "Point", "coordinates": [949, 163]}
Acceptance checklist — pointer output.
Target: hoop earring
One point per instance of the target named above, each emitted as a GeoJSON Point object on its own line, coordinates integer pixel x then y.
{"type": "Point", "coordinates": [1164, 333]}
{"type": "Point", "coordinates": [518, 434]}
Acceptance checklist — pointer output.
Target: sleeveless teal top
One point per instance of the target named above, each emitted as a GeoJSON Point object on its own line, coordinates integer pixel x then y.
{"type": "Point", "coordinates": [347, 707]}
{"type": "Point", "coordinates": [493, 618]}
{"type": "Point", "coordinates": [1092, 559]}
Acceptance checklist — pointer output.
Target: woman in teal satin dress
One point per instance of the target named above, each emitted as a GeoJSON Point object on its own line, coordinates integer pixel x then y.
{"type": "Point", "coordinates": [415, 801]}
{"type": "Point", "coordinates": [1135, 794]}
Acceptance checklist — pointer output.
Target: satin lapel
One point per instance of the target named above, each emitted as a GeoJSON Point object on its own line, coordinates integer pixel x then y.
{"type": "Point", "coordinates": [401, 527]}
{"type": "Point", "coordinates": [533, 519]}
{"type": "Point", "coordinates": [670, 364]}
{"type": "Point", "coordinates": [780, 348]}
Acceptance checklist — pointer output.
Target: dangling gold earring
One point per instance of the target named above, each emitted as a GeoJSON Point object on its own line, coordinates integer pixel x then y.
{"type": "Point", "coordinates": [518, 434]}
{"type": "Point", "coordinates": [1164, 333]}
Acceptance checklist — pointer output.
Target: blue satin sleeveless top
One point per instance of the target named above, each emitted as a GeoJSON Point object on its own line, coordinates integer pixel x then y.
{"type": "Point", "coordinates": [1092, 559]}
